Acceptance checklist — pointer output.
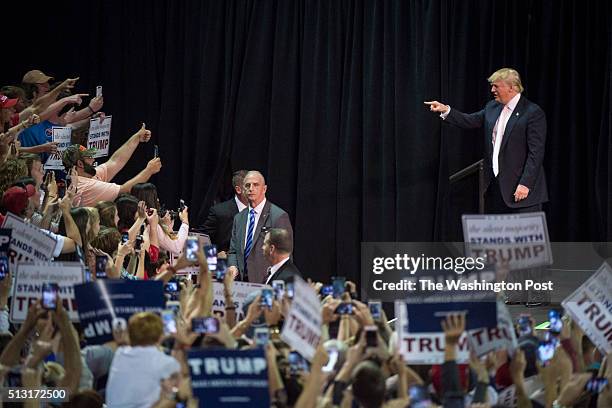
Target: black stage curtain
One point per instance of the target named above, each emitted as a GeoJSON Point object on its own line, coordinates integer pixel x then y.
{"type": "Point", "coordinates": [326, 99]}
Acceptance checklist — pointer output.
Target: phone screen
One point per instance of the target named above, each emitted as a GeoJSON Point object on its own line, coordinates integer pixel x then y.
{"type": "Point", "coordinates": [172, 287]}
{"type": "Point", "coordinates": [211, 257]}
{"type": "Point", "coordinates": [327, 290]}
{"type": "Point", "coordinates": [279, 289]}
{"type": "Point", "coordinates": [333, 359]}
{"type": "Point", "coordinates": [98, 91]}
{"type": "Point", "coordinates": [524, 326]}
{"type": "Point", "coordinates": [596, 385]}
{"type": "Point", "coordinates": [101, 261]}
{"type": "Point", "coordinates": [546, 351]}
{"type": "Point", "coordinates": [155, 152]}
{"type": "Point", "coordinates": [290, 290]}
{"type": "Point", "coordinates": [297, 363]}
{"type": "Point", "coordinates": [169, 320]}
{"type": "Point", "coordinates": [419, 397]}
{"type": "Point", "coordinates": [191, 248]}
{"type": "Point", "coordinates": [125, 237]}
{"type": "Point", "coordinates": [556, 324]}
{"type": "Point", "coordinates": [262, 336]}
{"type": "Point", "coordinates": [344, 308]}
{"type": "Point", "coordinates": [375, 309]}
{"type": "Point", "coordinates": [338, 284]}
{"type": "Point", "coordinates": [221, 269]}
{"type": "Point", "coordinates": [205, 325]}
{"type": "Point", "coordinates": [4, 266]}
{"type": "Point", "coordinates": [267, 297]}
{"type": "Point", "coordinates": [49, 295]}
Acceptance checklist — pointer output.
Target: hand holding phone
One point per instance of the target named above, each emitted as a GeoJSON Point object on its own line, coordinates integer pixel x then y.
{"type": "Point", "coordinates": [339, 286]}
{"type": "Point", "coordinates": [375, 307]}
{"type": "Point", "coordinates": [169, 320]}
{"type": "Point", "coordinates": [101, 261]}
{"type": "Point", "coordinates": [192, 246]}
{"type": "Point", "coordinates": [221, 269]}
{"type": "Point", "coordinates": [344, 308]}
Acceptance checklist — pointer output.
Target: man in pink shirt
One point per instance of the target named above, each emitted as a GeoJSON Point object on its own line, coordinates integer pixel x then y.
{"type": "Point", "coordinates": [94, 183]}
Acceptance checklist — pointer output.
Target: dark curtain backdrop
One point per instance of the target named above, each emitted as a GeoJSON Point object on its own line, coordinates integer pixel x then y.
{"type": "Point", "coordinates": [326, 99]}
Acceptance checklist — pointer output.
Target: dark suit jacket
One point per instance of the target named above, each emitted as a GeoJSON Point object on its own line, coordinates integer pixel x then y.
{"type": "Point", "coordinates": [218, 224]}
{"type": "Point", "coordinates": [521, 152]}
{"type": "Point", "coordinates": [286, 272]}
{"type": "Point", "coordinates": [271, 216]}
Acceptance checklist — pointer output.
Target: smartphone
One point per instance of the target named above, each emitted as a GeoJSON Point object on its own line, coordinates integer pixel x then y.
{"type": "Point", "coordinates": [546, 351]}
{"type": "Point", "coordinates": [556, 324]}
{"type": "Point", "coordinates": [524, 325]}
{"type": "Point", "coordinates": [125, 237]}
{"type": "Point", "coordinates": [181, 205]}
{"type": "Point", "coordinates": [345, 308]}
{"type": "Point", "coordinates": [4, 266]}
{"type": "Point", "coordinates": [192, 246]}
{"type": "Point", "coordinates": [375, 309]}
{"type": "Point", "coordinates": [119, 324]}
{"type": "Point", "coordinates": [101, 261]}
{"type": "Point", "coordinates": [371, 333]}
{"type": "Point", "coordinates": [338, 283]}
{"type": "Point", "coordinates": [205, 325]}
{"type": "Point", "coordinates": [596, 385]}
{"type": "Point", "coordinates": [297, 363]}
{"type": "Point", "coordinates": [171, 287]}
{"type": "Point", "coordinates": [267, 297]}
{"type": "Point", "coordinates": [211, 257]}
{"type": "Point", "coordinates": [138, 243]}
{"type": "Point", "coordinates": [221, 269]}
{"type": "Point", "coordinates": [49, 295]}
{"type": "Point", "coordinates": [332, 352]}
{"type": "Point", "coordinates": [290, 290]}
{"type": "Point", "coordinates": [174, 305]}
{"type": "Point", "coordinates": [98, 91]}
{"type": "Point", "coordinates": [262, 336]}
{"type": "Point", "coordinates": [327, 290]}
{"type": "Point", "coordinates": [278, 286]}
{"type": "Point", "coordinates": [155, 151]}
{"type": "Point", "coordinates": [419, 397]}
{"type": "Point", "coordinates": [169, 320]}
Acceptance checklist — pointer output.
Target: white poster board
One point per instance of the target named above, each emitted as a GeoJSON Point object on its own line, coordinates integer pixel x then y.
{"type": "Point", "coordinates": [520, 239]}
{"type": "Point", "coordinates": [99, 136]}
{"type": "Point", "coordinates": [28, 242]}
{"type": "Point", "coordinates": [240, 291]}
{"type": "Point", "coordinates": [61, 135]}
{"type": "Point", "coordinates": [302, 327]}
{"type": "Point", "coordinates": [590, 306]}
{"type": "Point", "coordinates": [29, 278]}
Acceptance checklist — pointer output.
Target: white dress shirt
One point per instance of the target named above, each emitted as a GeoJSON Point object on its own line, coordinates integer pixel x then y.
{"type": "Point", "coordinates": [258, 211]}
{"type": "Point", "coordinates": [275, 268]}
{"type": "Point", "coordinates": [239, 203]}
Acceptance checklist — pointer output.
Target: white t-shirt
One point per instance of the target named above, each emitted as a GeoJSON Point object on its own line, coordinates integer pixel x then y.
{"type": "Point", "coordinates": [135, 376]}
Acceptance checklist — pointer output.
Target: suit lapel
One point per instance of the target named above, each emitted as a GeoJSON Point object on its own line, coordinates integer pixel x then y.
{"type": "Point", "coordinates": [265, 213]}
{"type": "Point", "coordinates": [514, 117]}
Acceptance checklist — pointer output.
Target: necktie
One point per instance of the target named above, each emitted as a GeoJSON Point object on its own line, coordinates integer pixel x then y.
{"type": "Point", "coordinates": [249, 241]}
{"type": "Point", "coordinates": [498, 134]}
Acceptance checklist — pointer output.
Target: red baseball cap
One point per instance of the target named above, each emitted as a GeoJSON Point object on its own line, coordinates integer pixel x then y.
{"type": "Point", "coordinates": [6, 102]}
{"type": "Point", "coordinates": [15, 199]}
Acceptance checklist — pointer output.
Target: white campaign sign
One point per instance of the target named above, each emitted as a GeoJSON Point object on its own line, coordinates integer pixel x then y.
{"type": "Point", "coordinates": [61, 135]}
{"type": "Point", "coordinates": [99, 136]}
{"type": "Point", "coordinates": [240, 291]}
{"type": "Point", "coordinates": [483, 341]}
{"type": "Point", "coordinates": [28, 242]}
{"type": "Point", "coordinates": [591, 307]}
{"type": "Point", "coordinates": [302, 328]}
{"type": "Point", "coordinates": [521, 240]}
{"type": "Point", "coordinates": [424, 348]}
{"type": "Point", "coordinates": [30, 277]}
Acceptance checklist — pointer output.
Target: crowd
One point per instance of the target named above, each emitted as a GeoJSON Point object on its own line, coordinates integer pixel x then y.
{"type": "Point", "coordinates": [121, 232]}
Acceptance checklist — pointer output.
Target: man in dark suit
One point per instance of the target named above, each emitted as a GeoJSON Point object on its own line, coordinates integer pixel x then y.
{"type": "Point", "coordinates": [245, 256]}
{"type": "Point", "coordinates": [218, 224]}
{"type": "Point", "coordinates": [515, 138]}
{"type": "Point", "coordinates": [277, 248]}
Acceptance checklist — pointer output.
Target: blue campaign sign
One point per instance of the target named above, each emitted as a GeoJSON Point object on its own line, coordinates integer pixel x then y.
{"type": "Point", "coordinates": [229, 378]}
{"type": "Point", "coordinates": [101, 302]}
{"type": "Point", "coordinates": [5, 242]}
{"type": "Point", "coordinates": [426, 317]}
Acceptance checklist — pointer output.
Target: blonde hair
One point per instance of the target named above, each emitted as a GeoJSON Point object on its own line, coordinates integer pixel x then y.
{"type": "Point", "coordinates": [145, 329]}
{"type": "Point", "coordinates": [94, 217]}
{"type": "Point", "coordinates": [508, 75]}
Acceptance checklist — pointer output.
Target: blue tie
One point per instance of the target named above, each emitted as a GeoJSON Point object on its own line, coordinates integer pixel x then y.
{"type": "Point", "coordinates": [249, 241]}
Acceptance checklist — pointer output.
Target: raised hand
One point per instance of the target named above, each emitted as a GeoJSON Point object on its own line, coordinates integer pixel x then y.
{"type": "Point", "coordinates": [436, 106]}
